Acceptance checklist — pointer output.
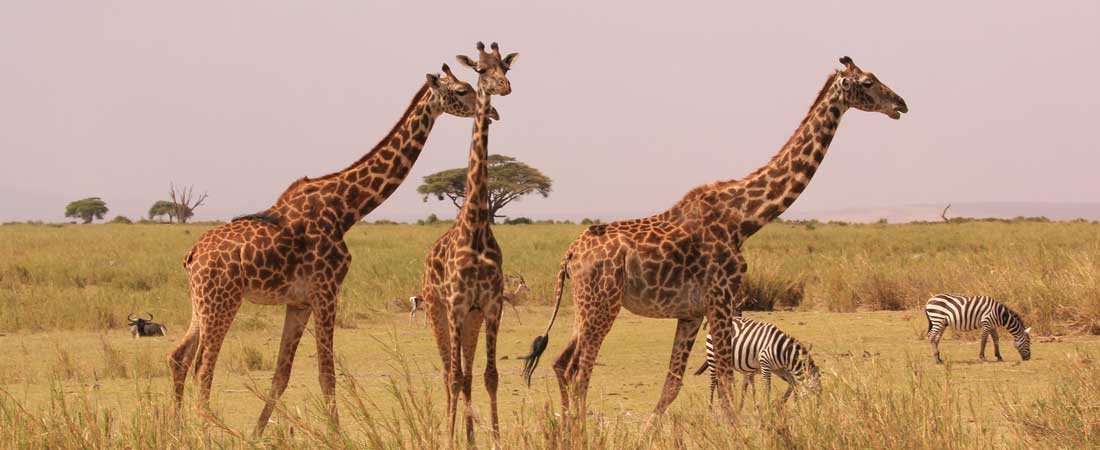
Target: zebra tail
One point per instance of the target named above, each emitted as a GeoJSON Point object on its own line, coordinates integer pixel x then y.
{"type": "Point", "coordinates": [531, 361]}
{"type": "Point", "coordinates": [929, 317]}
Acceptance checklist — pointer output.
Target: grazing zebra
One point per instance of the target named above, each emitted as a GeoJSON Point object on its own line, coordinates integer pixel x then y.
{"type": "Point", "coordinates": [969, 313]}
{"type": "Point", "coordinates": [761, 347]}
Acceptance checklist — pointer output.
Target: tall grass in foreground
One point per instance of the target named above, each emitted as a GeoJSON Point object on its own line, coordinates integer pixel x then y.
{"type": "Point", "coordinates": [857, 409]}
{"type": "Point", "coordinates": [92, 276]}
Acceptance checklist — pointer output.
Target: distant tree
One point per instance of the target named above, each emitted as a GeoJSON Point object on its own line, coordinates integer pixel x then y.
{"type": "Point", "coordinates": [508, 181]}
{"type": "Point", "coordinates": [87, 209]}
{"type": "Point", "coordinates": [184, 202]}
{"type": "Point", "coordinates": [122, 220]}
{"type": "Point", "coordinates": [520, 221]}
{"type": "Point", "coordinates": [165, 208]}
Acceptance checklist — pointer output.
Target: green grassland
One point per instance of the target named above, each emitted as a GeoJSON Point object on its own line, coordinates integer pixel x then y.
{"type": "Point", "coordinates": [71, 376]}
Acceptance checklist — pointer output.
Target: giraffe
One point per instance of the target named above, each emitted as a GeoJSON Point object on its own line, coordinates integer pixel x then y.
{"type": "Point", "coordinates": [294, 252]}
{"type": "Point", "coordinates": [462, 285]}
{"type": "Point", "coordinates": [686, 263]}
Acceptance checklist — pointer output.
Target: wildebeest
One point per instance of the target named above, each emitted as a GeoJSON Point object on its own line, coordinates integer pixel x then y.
{"type": "Point", "coordinates": [145, 327]}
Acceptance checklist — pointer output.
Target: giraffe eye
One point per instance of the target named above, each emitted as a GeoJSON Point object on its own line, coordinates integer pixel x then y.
{"type": "Point", "coordinates": [462, 92]}
{"type": "Point", "coordinates": [868, 82]}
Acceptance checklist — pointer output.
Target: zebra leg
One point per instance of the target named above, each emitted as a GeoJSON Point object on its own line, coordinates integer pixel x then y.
{"type": "Point", "coordinates": [996, 345]}
{"type": "Point", "coordinates": [934, 339]}
{"type": "Point", "coordinates": [766, 375]}
{"type": "Point", "coordinates": [786, 376]}
{"type": "Point", "coordinates": [745, 390]}
{"type": "Point", "coordinates": [985, 338]}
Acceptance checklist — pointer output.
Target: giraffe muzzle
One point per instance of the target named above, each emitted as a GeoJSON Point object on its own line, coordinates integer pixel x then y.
{"type": "Point", "coordinates": [899, 108]}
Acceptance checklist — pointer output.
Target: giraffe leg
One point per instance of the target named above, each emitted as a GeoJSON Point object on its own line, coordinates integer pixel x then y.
{"type": "Point", "coordinates": [471, 331]}
{"type": "Point", "coordinates": [721, 329]}
{"type": "Point", "coordinates": [293, 327]}
{"type": "Point", "coordinates": [216, 318]}
{"type": "Point", "coordinates": [996, 345]}
{"type": "Point", "coordinates": [492, 327]}
{"type": "Point", "coordinates": [198, 361]}
{"type": "Point", "coordinates": [438, 321]}
{"type": "Point", "coordinates": [597, 323]}
{"type": "Point", "coordinates": [459, 308]}
{"type": "Point", "coordinates": [562, 366]}
{"type": "Point", "coordinates": [686, 331]}
{"type": "Point", "coordinates": [183, 357]}
{"type": "Point", "coordinates": [324, 327]}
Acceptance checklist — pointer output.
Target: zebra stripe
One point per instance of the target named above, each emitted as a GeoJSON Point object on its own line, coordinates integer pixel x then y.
{"type": "Point", "coordinates": [970, 313]}
{"type": "Point", "coordinates": [760, 347]}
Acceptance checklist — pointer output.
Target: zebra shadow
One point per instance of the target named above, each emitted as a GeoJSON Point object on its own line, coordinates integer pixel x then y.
{"type": "Point", "coordinates": [977, 362]}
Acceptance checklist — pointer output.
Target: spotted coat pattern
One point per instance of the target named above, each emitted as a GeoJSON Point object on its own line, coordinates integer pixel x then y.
{"type": "Point", "coordinates": [462, 283]}
{"type": "Point", "coordinates": [686, 263]}
{"type": "Point", "coordinates": [294, 253]}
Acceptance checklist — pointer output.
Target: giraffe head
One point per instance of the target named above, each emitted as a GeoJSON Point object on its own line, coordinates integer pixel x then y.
{"type": "Point", "coordinates": [862, 90]}
{"type": "Point", "coordinates": [491, 69]}
{"type": "Point", "coordinates": [454, 96]}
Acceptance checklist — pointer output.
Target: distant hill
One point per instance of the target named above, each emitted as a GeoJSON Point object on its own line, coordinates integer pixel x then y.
{"type": "Point", "coordinates": [911, 213]}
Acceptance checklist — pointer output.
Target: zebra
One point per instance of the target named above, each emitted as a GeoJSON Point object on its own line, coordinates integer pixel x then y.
{"type": "Point", "coordinates": [969, 313]}
{"type": "Point", "coordinates": [761, 347]}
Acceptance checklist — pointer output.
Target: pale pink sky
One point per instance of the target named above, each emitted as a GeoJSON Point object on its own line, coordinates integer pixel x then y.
{"type": "Point", "coordinates": [625, 104]}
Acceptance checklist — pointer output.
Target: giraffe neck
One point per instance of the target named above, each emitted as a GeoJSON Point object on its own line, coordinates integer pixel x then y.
{"type": "Point", "coordinates": [345, 197]}
{"type": "Point", "coordinates": [475, 211]}
{"type": "Point", "coordinates": [766, 193]}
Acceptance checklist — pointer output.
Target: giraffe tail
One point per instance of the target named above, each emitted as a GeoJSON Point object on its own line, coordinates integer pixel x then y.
{"type": "Point", "coordinates": [702, 368]}
{"type": "Point", "coordinates": [531, 361]}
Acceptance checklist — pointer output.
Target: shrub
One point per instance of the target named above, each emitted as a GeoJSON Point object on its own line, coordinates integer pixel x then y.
{"type": "Point", "coordinates": [520, 221]}
{"type": "Point", "coordinates": [767, 293]}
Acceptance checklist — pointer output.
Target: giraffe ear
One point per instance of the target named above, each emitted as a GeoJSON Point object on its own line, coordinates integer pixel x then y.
{"type": "Point", "coordinates": [433, 80]}
{"type": "Point", "coordinates": [510, 59]}
{"type": "Point", "coordinates": [466, 61]}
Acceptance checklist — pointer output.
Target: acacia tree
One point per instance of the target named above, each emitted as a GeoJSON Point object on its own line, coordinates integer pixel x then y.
{"type": "Point", "coordinates": [508, 181]}
{"type": "Point", "coordinates": [87, 209]}
{"type": "Point", "coordinates": [183, 202]}
{"type": "Point", "coordinates": [165, 208]}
